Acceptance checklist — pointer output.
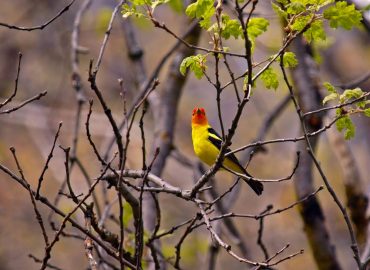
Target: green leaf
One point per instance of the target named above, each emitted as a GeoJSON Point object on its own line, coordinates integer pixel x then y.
{"type": "Point", "coordinates": [230, 27]}
{"type": "Point", "coordinates": [128, 11]}
{"type": "Point", "coordinates": [141, 2]}
{"type": "Point", "coordinates": [300, 23]}
{"type": "Point", "coordinates": [323, 3]}
{"type": "Point", "coordinates": [201, 9]}
{"type": "Point", "coordinates": [156, 3]}
{"type": "Point", "coordinates": [270, 78]}
{"type": "Point", "coordinates": [186, 62]}
{"type": "Point", "coordinates": [284, 2]}
{"type": "Point", "coordinates": [315, 32]}
{"type": "Point", "coordinates": [256, 26]}
{"type": "Point", "coordinates": [191, 10]}
{"type": "Point", "coordinates": [279, 11]}
{"type": "Point", "coordinates": [331, 96]}
{"type": "Point", "coordinates": [289, 59]}
{"type": "Point", "coordinates": [295, 8]}
{"type": "Point", "coordinates": [330, 87]}
{"type": "Point", "coordinates": [195, 63]}
{"type": "Point", "coordinates": [361, 104]}
{"type": "Point", "coordinates": [367, 112]}
{"type": "Point", "coordinates": [315, 2]}
{"type": "Point", "coordinates": [350, 93]}
{"type": "Point", "coordinates": [345, 124]}
{"type": "Point", "coordinates": [343, 15]}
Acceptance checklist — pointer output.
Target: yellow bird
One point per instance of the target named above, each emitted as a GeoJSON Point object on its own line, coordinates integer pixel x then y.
{"type": "Point", "coordinates": [207, 145]}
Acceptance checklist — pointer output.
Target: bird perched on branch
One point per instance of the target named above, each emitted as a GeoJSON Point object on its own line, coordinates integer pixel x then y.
{"type": "Point", "coordinates": [207, 145]}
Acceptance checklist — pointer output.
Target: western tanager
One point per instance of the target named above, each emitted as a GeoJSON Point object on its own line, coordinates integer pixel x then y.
{"type": "Point", "coordinates": [207, 145]}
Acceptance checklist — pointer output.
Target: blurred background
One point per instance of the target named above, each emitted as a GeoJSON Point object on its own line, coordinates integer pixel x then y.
{"type": "Point", "coordinates": [47, 65]}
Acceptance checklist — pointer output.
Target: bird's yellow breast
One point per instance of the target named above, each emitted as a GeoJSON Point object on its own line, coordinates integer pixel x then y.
{"type": "Point", "coordinates": [206, 150]}
{"type": "Point", "coordinates": [203, 148]}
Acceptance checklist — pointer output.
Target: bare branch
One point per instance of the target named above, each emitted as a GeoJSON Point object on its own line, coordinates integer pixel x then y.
{"type": "Point", "coordinates": [24, 103]}
{"type": "Point", "coordinates": [16, 83]}
{"type": "Point", "coordinates": [260, 233]}
{"type": "Point", "coordinates": [37, 260]}
{"type": "Point", "coordinates": [39, 27]}
{"type": "Point", "coordinates": [182, 239]}
{"type": "Point", "coordinates": [33, 201]}
{"type": "Point", "coordinates": [245, 177]}
{"type": "Point", "coordinates": [105, 41]}
{"type": "Point", "coordinates": [41, 178]}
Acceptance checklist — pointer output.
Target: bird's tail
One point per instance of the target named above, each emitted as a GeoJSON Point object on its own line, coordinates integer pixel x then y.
{"type": "Point", "coordinates": [255, 185]}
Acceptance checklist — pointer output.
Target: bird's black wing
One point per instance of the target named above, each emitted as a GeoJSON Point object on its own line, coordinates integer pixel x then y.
{"type": "Point", "coordinates": [217, 141]}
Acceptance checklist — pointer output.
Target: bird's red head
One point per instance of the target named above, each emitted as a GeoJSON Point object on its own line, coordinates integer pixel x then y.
{"type": "Point", "coordinates": [199, 117]}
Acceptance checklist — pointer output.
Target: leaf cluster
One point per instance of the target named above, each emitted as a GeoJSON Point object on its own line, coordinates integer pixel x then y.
{"type": "Point", "coordinates": [306, 17]}
{"type": "Point", "coordinates": [355, 101]}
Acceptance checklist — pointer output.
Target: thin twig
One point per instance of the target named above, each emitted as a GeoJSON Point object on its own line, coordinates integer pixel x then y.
{"type": "Point", "coordinates": [107, 111]}
{"type": "Point", "coordinates": [68, 180]}
{"type": "Point", "coordinates": [268, 180]}
{"type": "Point", "coordinates": [363, 97]}
{"type": "Point", "coordinates": [39, 27]}
{"type": "Point", "coordinates": [89, 137]}
{"type": "Point", "coordinates": [260, 233]}
{"type": "Point", "coordinates": [284, 140]}
{"type": "Point", "coordinates": [37, 260]}
{"type": "Point", "coordinates": [181, 241]}
{"type": "Point", "coordinates": [89, 183]}
{"type": "Point", "coordinates": [33, 201]}
{"type": "Point", "coordinates": [187, 44]}
{"type": "Point", "coordinates": [106, 37]}
{"type": "Point", "coordinates": [16, 83]}
{"type": "Point", "coordinates": [140, 233]}
{"type": "Point", "coordinates": [24, 103]}
{"type": "Point", "coordinates": [46, 166]}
